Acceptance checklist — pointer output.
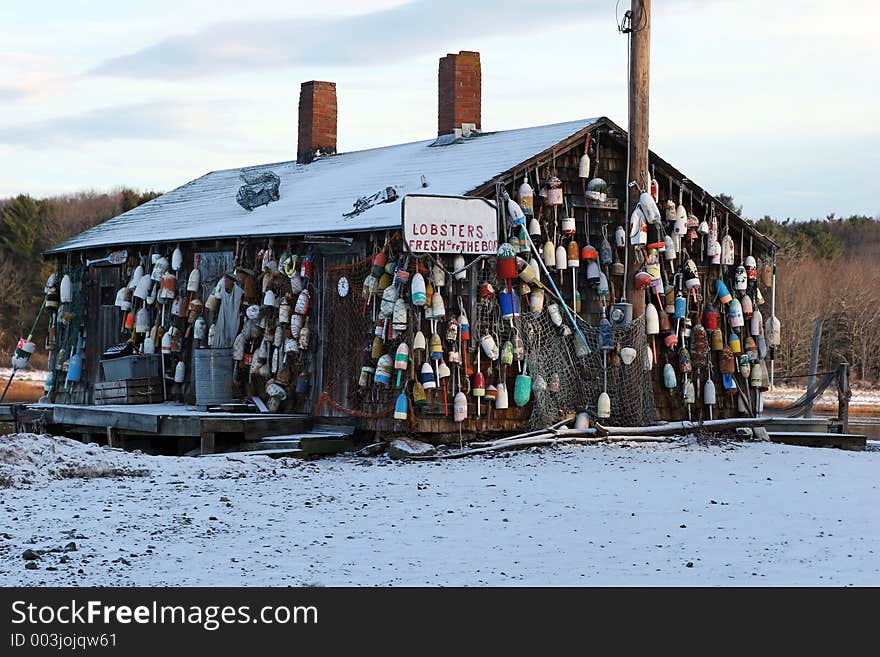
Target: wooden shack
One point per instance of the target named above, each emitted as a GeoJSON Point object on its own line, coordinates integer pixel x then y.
{"type": "Point", "coordinates": [305, 251]}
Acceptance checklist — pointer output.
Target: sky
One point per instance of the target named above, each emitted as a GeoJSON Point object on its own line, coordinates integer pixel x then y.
{"type": "Point", "coordinates": [775, 103]}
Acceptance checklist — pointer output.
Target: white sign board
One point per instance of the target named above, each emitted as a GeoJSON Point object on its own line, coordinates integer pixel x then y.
{"type": "Point", "coordinates": [449, 224]}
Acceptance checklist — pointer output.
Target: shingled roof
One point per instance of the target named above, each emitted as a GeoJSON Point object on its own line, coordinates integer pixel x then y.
{"type": "Point", "coordinates": [316, 196]}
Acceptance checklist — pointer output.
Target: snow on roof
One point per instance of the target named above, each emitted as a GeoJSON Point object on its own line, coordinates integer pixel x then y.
{"type": "Point", "coordinates": [315, 196]}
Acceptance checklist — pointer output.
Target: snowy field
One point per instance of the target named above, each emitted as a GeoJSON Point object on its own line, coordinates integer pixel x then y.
{"type": "Point", "coordinates": [738, 514]}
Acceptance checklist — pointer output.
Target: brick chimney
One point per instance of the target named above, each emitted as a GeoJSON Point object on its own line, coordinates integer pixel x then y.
{"type": "Point", "coordinates": [317, 120]}
{"type": "Point", "coordinates": [458, 87]}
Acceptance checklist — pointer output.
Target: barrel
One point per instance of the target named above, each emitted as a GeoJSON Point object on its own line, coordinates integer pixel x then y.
{"type": "Point", "coordinates": [213, 370]}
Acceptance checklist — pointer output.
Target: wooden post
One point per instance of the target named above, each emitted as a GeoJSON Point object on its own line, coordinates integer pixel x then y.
{"type": "Point", "coordinates": [814, 365]}
{"type": "Point", "coordinates": [207, 446]}
{"type": "Point", "coordinates": [639, 57]}
{"type": "Point", "coordinates": [112, 437]}
{"type": "Point", "coordinates": [843, 396]}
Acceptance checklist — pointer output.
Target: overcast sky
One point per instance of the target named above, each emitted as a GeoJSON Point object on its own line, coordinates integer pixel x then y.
{"type": "Point", "coordinates": [776, 103]}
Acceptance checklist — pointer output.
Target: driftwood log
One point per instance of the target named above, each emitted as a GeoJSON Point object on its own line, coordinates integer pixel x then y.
{"type": "Point", "coordinates": [672, 428]}
{"type": "Point", "coordinates": [560, 434]}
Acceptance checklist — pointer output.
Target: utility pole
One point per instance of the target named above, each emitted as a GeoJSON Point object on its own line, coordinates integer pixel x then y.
{"type": "Point", "coordinates": [639, 75]}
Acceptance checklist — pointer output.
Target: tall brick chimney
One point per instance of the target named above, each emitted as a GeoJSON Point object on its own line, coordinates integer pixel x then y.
{"type": "Point", "coordinates": [458, 87]}
{"type": "Point", "coordinates": [317, 120]}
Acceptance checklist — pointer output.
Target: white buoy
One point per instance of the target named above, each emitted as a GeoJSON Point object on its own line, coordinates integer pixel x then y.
{"type": "Point", "coordinates": [177, 259]}
{"type": "Point", "coordinates": [459, 407]}
{"type": "Point", "coordinates": [603, 405]}
{"type": "Point", "coordinates": [66, 291]}
{"type": "Point", "coordinates": [136, 276]}
{"type": "Point", "coordinates": [501, 398]}
{"type": "Point", "coordinates": [180, 372]}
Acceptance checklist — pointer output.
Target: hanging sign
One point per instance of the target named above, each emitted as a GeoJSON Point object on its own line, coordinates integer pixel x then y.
{"type": "Point", "coordinates": [449, 224]}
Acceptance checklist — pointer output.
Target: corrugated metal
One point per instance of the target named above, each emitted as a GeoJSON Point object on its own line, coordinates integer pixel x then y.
{"type": "Point", "coordinates": [213, 376]}
{"type": "Point", "coordinates": [315, 196]}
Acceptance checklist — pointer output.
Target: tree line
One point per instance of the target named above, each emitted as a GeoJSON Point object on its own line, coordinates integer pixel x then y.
{"type": "Point", "coordinates": [29, 226]}
{"type": "Point", "coordinates": [827, 270]}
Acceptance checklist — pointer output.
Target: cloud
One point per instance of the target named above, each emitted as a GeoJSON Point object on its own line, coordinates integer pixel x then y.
{"type": "Point", "coordinates": [144, 121]}
{"type": "Point", "coordinates": [401, 32]}
{"type": "Point", "coordinates": [29, 76]}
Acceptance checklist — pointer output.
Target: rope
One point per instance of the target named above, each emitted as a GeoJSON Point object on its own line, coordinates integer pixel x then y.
{"type": "Point", "coordinates": [325, 398]}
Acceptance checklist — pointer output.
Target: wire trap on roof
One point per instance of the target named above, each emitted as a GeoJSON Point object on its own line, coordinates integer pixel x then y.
{"type": "Point", "coordinates": [260, 188]}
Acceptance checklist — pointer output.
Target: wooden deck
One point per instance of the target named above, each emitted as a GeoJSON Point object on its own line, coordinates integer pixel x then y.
{"type": "Point", "coordinates": [171, 428]}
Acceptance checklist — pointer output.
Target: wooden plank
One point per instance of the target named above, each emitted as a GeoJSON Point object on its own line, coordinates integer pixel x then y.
{"type": "Point", "coordinates": [207, 442]}
{"type": "Point", "coordinates": [112, 437]}
{"type": "Point", "coordinates": [95, 416]}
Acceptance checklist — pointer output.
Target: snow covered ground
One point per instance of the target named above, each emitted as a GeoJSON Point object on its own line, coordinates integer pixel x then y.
{"type": "Point", "coordinates": [741, 514]}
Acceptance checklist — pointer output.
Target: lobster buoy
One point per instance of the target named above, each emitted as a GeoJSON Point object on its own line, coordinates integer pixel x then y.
{"type": "Point", "coordinates": [490, 347]}
{"type": "Point", "coordinates": [549, 254]}
{"type": "Point", "coordinates": [767, 274]}
{"type": "Point", "coordinates": [526, 196]}
{"type": "Point", "coordinates": [176, 259]}
{"type": "Point", "coordinates": [716, 340]}
{"type": "Point", "coordinates": [23, 352]}
{"type": "Point", "coordinates": [419, 342]}
{"type": "Point", "coordinates": [384, 367]}
{"type": "Point", "coordinates": [680, 306]}
{"type": "Point", "coordinates": [378, 266]}
{"type": "Point", "coordinates": [638, 228]}
{"type": "Point", "coordinates": [689, 393]}
{"type": "Point", "coordinates": [561, 258]}
{"type": "Point", "coordinates": [620, 237]}
{"type": "Point", "coordinates": [180, 372]}
{"type": "Point", "coordinates": [669, 379]}
{"type": "Point", "coordinates": [710, 318]}
{"type": "Point", "coordinates": [506, 262]}
{"type": "Point", "coordinates": [515, 213]}
{"type": "Point", "coordinates": [401, 407]}
{"type": "Point", "coordinates": [649, 208]}
{"type": "Point", "coordinates": [534, 229]}
{"type": "Point", "coordinates": [724, 295]}
{"type": "Point", "coordinates": [438, 307]}
{"type": "Point", "coordinates": [628, 355]}
{"type": "Point", "coordinates": [400, 316]}
{"type": "Point", "coordinates": [478, 384]}
{"type": "Point", "coordinates": [554, 191]}
{"type": "Point", "coordinates": [194, 280]}
{"type": "Point", "coordinates": [142, 321]}
{"type": "Point", "coordinates": [417, 290]}
{"type": "Point", "coordinates": [727, 250]}
{"type": "Point", "coordinates": [502, 400]}
{"type": "Point", "coordinates": [709, 392]}
{"type": "Point", "coordinates": [740, 279]}
{"type": "Point", "coordinates": [748, 308]}
{"type": "Point", "coordinates": [594, 274]}
{"type": "Point", "coordinates": [458, 266]}
{"type": "Point", "coordinates": [751, 266]}
{"type": "Point", "coordinates": [509, 303]}
{"type": "Point", "coordinates": [573, 258]}
{"type": "Point", "coordinates": [459, 407]}
{"type": "Point", "coordinates": [756, 323]}
{"type": "Point", "coordinates": [136, 275]}
{"type": "Point", "coordinates": [605, 337]}
{"type": "Point", "coordinates": [772, 329]}
{"type": "Point", "coordinates": [66, 289]}
{"type": "Point", "coordinates": [670, 211]}
{"type": "Point", "coordinates": [734, 343]}
{"type": "Point", "coordinates": [522, 389]}
{"type": "Point", "coordinates": [756, 378]}
{"type": "Point", "coordinates": [438, 276]}
{"type": "Point", "coordinates": [735, 314]}
{"type": "Point", "coordinates": [555, 314]}
{"type": "Point", "coordinates": [568, 226]}
{"type": "Point", "coordinates": [603, 406]}
{"type": "Point", "coordinates": [142, 289]}
{"type": "Point", "coordinates": [269, 299]}
{"type": "Point", "coordinates": [166, 342]}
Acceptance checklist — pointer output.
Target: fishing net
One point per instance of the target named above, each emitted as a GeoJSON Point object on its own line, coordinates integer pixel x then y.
{"type": "Point", "coordinates": [562, 382]}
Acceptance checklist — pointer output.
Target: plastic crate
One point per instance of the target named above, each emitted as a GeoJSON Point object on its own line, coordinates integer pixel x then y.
{"type": "Point", "coordinates": [139, 366]}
